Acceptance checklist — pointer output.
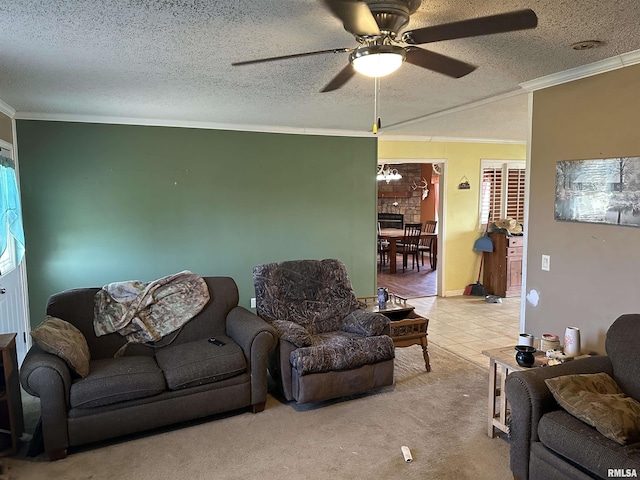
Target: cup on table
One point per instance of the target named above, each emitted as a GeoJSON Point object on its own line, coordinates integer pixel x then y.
{"type": "Point", "coordinates": [526, 339]}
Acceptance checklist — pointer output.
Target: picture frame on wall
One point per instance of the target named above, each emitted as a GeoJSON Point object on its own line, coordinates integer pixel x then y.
{"type": "Point", "coordinates": [604, 190]}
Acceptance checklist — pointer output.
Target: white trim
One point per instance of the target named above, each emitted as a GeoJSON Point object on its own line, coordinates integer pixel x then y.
{"type": "Point", "coordinates": [7, 109]}
{"type": "Point", "coordinates": [64, 117]}
{"type": "Point", "coordinates": [453, 293]}
{"type": "Point", "coordinates": [460, 108]}
{"type": "Point", "coordinates": [434, 138]}
{"type": "Point", "coordinates": [22, 267]}
{"type": "Point", "coordinates": [6, 145]}
{"type": "Point", "coordinates": [595, 68]}
{"type": "Point", "coordinates": [382, 161]}
{"type": "Point", "coordinates": [525, 246]}
{"type": "Point", "coordinates": [442, 228]}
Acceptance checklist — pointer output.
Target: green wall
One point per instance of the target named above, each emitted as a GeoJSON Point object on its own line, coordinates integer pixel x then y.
{"type": "Point", "coordinates": [104, 203]}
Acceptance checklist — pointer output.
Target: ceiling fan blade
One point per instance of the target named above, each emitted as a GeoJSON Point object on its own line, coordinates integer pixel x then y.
{"type": "Point", "coordinates": [295, 55]}
{"type": "Point", "coordinates": [437, 62]}
{"type": "Point", "coordinates": [340, 79]}
{"type": "Point", "coordinates": [504, 22]}
{"type": "Point", "coordinates": [355, 16]}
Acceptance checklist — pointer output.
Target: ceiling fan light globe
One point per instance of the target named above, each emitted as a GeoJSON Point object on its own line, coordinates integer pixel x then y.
{"type": "Point", "coordinates": [377, 61]}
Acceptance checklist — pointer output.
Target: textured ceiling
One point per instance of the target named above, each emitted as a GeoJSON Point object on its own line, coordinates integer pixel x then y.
{"type": "Point", "coordinates": [170, 60]}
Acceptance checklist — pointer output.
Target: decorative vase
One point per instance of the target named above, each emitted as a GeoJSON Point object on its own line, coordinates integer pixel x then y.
{"type": "Point", "coordinates": [572, 341]}
{"type": "Point", "coordinates": [525, 357]}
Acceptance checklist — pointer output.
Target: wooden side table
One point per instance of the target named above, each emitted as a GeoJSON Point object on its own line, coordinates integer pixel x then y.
{"type": "Point", "coordinates": [11, 416]}
{"type": "Point", "coordinates": [412, 331]}
{"type": "Point", "coordinates": [503, 360]}
{"type": "Point", "coordinates": [406, 327]}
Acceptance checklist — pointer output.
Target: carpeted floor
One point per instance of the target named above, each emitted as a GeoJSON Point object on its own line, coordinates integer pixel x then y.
{"type": "Point", "coordinates": [440, 416]}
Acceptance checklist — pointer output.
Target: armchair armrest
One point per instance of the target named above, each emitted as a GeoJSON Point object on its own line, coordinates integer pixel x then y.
{"type": "Point", "coordinates": [256, 338]}
{"type": "Point", "coordinates": [529, 399]}
{"type": "Point", "coordinates": [292, 332]}
{"type": "Point", "coordinates": [48, 377]}
{"type": "Point", "coordinates": [368, 324]}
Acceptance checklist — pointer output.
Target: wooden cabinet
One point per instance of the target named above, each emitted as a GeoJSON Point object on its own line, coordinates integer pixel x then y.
{"type": "Point", "coordinates": [503, 266]}
{"type": "Point", "coordinates": [11, 417]}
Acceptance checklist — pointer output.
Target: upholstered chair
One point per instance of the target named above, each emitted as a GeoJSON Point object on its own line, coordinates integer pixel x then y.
{"type": "Point", "coordinates": [328, 347]}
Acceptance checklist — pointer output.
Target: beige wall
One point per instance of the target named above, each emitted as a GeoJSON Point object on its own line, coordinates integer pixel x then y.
{"type": "Point", "coordinates": [6, 132]}
{"type": "Point", "coordinates": [595, 274]}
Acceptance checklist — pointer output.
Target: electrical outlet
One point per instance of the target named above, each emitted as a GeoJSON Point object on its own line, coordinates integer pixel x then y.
{"type": "Point", "coordinates": [253, 303]}
{"type": "Point", "coordinates": [546, 263]}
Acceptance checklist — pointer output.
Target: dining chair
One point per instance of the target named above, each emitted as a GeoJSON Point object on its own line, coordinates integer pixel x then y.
{"type": "Point", "coordinates": [409, 245]}
{"type": "Point", "coordinates": [383, 248]}
{"type": "Point", "coordinates": [426, 244]}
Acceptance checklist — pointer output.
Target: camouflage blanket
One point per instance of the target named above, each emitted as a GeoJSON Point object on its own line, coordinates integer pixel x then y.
{"type": "Point", "coordinates": [146, 312]}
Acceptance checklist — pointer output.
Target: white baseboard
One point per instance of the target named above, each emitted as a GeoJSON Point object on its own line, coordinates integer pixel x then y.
{"type": "Point", "coordinates": [453, 293]}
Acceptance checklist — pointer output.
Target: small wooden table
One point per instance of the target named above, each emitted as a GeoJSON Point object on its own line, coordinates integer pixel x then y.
{"type": "Point", "coordinates": [503, 359]}
{"type": "Point", "coordinates": [406, 327]}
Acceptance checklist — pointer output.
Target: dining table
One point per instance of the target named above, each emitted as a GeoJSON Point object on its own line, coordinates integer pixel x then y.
{"type": "Point", "coordinates": [392, 235]}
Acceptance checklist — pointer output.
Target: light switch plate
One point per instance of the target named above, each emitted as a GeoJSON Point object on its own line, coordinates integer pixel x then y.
{"type": "Point", "coordinates": [253, 302]}
{"type": "Point", "coordinates": [546, 262]}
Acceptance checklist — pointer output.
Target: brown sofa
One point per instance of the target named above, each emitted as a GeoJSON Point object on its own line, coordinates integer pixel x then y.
{"type": "Point", "coordinates": [147, 388]}
{"type": "Point", "coordinates": [546, 442]}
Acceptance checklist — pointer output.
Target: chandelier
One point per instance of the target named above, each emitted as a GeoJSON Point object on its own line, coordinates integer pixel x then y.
{"type": "Point", "coordinates": [387, 173]}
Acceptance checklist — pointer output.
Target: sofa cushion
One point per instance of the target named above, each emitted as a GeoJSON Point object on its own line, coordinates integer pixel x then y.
{"type": "Point", "coordinates": [597, 400]}
{"type": "Point", "coordinates": [63, 339]}
{"type": "Point", "coordinates": [583, 445]}
{"type": "Point", "coordinates": [341, 351]}
{"type": "Point", "coordinates": [200, 362]}
{"type": "Point", "coordinates": [113, 380]}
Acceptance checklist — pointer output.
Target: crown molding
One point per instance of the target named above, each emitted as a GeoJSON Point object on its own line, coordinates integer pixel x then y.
{"type": "Point", "coordinates": [63, 117]}
{"type": "Point", "coordinates": [460, 108]}
{"type": "Point", "coordinates": [595, 68]}
{"type": "Point", "coordinates": [426, 138]}
{"type": "Point", "coordinates": [7, 109]}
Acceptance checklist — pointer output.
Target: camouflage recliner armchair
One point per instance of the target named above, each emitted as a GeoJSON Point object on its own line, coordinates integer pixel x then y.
{"type": "Point", "coordinates": [327, 346]}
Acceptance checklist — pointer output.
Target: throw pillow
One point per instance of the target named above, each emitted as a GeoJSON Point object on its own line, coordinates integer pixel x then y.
{"type": "Point", "coordinates": [597, 400]}
{"type": "Point", "coordinates": [63, 339]}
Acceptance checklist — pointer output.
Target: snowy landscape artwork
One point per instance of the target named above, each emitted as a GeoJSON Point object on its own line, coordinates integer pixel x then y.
{"type": "Point", "coordinates": [605, 190]}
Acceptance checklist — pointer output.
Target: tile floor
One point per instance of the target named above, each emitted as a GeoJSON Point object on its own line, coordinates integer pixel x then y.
{"type": "Point", "coordinates": [467, 325]}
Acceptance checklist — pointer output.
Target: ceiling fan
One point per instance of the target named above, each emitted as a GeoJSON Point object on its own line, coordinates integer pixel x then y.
{"type": "Point", "coordinates": [376, 25]}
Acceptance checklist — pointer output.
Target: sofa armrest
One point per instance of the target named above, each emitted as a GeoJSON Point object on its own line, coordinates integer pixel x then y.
{"type": "Point", "coordinates": [256, 338]}
{"type": "Point", "coordinates": [529, 399]}
{"type": "Point", "coordinates": [48, 377]}
{"type": "Point", "coordinates": [368, 324]}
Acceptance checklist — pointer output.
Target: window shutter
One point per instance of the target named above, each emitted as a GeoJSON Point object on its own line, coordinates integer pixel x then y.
{"type": "Point", "coordinates": [515, 193]}
{"type": "Point", "coordinates": [491, 201]}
